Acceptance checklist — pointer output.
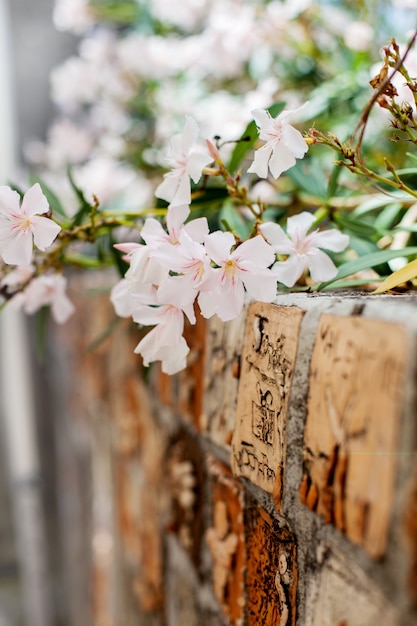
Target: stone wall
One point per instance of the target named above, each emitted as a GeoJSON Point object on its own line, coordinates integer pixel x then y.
{"type": "Point", "coordinates": [272, 483]}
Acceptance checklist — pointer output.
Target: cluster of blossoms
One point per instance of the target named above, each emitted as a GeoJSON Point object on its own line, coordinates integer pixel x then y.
{"type": "Point", "coordinates": [187, 264]}
{"type": "Point", "coordinates": [23, 225]}
{"type": "Point", "coordinates": [124, 92]}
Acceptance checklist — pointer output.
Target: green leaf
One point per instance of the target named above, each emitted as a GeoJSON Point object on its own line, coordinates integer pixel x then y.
{"type": "Point", "coordinates": [53, 200]}
{"type": "Point", "coordinates": [381, 200]}
{"type": "Point", "coordinates": [388, 216]}
{"type": "Point", "coordinates": [408, 272]}
{"type": "Point", "coordinates": [333, 181]}
{"type": "Point", "coordinates": [357, 226]}
{"type": "Point", "coordinates": [249, 137]}
{"type": "Point", "coordinates": [309, 178]}
{"type": "Point", "coordinates": [85, 206]}
{"type": "Point", "coordinates": [369, 261]}
{"type": "Point", "coordinates": [234, 221]}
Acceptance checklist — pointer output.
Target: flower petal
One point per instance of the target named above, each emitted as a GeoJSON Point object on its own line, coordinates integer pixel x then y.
{"type": "Point", "coordinates": [167, 188]}
{"type": "Point", "coordinates": [189, 135]}
{"type": "Point", "coordinates": [183, 192]}
{"type": "Point", "coordinates": [196, 162]}
{"type": "Point", "coordinates": [230, 304]}
{"type": "Point", "coordinates": [259, 164]}
{"type": "Point", "coordinates": [298, 225]}
{"type": "Point", "coordinates": [289, 271]}
{"type": "Point", "coordinates": [321, 266]}
{"type": "Point", "coordinates": [274, 235]}
{"type": "Point", "coordinates": [45, 231]}
{"type": "Point", "coordinates": [34, 202]}
{"type": "Point", "coordinates": [281, 160]}
{"type": "Point", "coordinates": [218, 245]}
{"type": "Point", "coordinates": [176, 217]}
{"type": "Point", "coordinates": [261, 286]}
{"type": "Point", "coordinates": [9, 201]}
{"type": "Point", "coordinates": [18, 251]}
{"type": "Point", "coordinates": [256, 250]}
{"type": "Point", "coordinates": [294, 141]}
{"type": "Point", "coordinates": [330, 240]}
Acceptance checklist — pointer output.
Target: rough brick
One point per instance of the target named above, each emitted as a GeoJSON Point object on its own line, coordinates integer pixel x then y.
{"type": "Point", "coordinates": [268, 360]}
{"type": "Point", "coordinates": [351, 432]}
{"type": "Point", "coordinates": [271, 578]}
{"type": "Point", "coordinates": [339, 593]}
{"type": "Point", "coordinates": [221, 379]}
{"type": "Point", "coordinates": [226, 541]}
{"type": "Point", "coordinates": [184, 483]}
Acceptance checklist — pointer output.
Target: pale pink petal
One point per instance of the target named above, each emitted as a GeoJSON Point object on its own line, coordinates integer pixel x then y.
{"type": "Point", "coordinates": [176, 216]}
{"type": "Point", "coordinates": [183, 192]}
{"type": "Point", "coordinates": [281, 159]}
{"type": "Point", "coordinates": [260, 161]}
{"type": "Point", "coordinates": [294, 141]}
{"type": "Point", "coordinates": [257, 250]}
{"type": "Point", "coordinates": [189, 134]}
{"type": "Point", "coordinates": [330, 240]}
{"type": "Point", "coordinates": [34, 202]}
{"type": "Point", "coordinates": [179, 292]}
{"type": "Point", "coordinates": [18, 251]}
{"type": "Point", "coordinates": [207, 301]}
{"type": "Point", "coordinates": [62, 308]}
{"type": "Point", "coordinates": [152, 232]}
{"type": "Point", "coordinates": [148, 315]}
{"type": "Point", "coordinates": [321, 266]}
{"type": "Point", "coordinates": [218, 245]}
{"type": "Point", "coordinates": [274, 234]}
{"type": "Point", "coordinates": [197, 229]}
{"type": "Point", "coordinates": [196, 162]}
{"type": "Point", "coordinates": [262, 118]}
{"type": "Point", "coordinates": [9, 201]}
{"type": "Point", "coordinates": [289, 271]}
{"type": "Point", "coordinates": [167, 189]}
{"type": "Point", "coordinates": [126, 247]}
{"type": "Point", "coordinates": [44, 231]}
{"type": "Point", "coordinates": [298, 225]}
{"type": "Point", "coordinates": [261, 286]}
{"type": "Point", "coordinates": [173, 360]}
{"type": "Point", "coordinates": [230, 304]}
{"type": "Point", "coordinates": [121, 299]}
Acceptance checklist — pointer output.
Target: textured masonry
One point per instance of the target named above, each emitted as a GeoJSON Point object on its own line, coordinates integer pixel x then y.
{"type": "Point", "coordinates": [274, 482]}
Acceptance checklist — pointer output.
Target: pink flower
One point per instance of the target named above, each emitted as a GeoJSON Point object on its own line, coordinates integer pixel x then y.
{"type": "Point", "coordinates": [244, 268]}
{"type": "Point", "coordinates": [154, 234]}
{"type": "Point", "coordinates": [284, 144]}
{"type": "Point", "coordinates": [303, 249]}
{"type": "Point", "coordinates": [186, 162]}
{"type": "Point", "coordinates": [22, 225]}
{"type": "Point", "coordinates": [165, 341]}
{"type": "Point", "coordinates": [48, 290]}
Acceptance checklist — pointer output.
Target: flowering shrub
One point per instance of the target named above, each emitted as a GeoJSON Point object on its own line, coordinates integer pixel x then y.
{"type": "Point", "coordinates": [192, 219]}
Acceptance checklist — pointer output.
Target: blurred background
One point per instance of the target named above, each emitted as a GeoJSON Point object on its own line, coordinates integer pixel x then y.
{"type": "Point", "coordinates": [127, 74]}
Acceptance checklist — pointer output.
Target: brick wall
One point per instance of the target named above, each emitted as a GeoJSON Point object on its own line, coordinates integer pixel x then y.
{"type": "Point", "coordinates": [273, 483]}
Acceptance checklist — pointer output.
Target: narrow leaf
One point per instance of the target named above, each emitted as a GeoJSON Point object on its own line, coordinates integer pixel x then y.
{"type": "Point", "coordinates": [368, 261]}
{"type": "Point", "coordinates": [408, 272]}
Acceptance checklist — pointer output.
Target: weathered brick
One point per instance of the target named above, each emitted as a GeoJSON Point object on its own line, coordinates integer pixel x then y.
{"type": "Point", "coordinates": [350, 440]}
{"type": "Point", "coordinates": [221, 379]}
{"type": "Point", "coordinates": [226, 541]}
{"type": "Point", "coordinates": [184, 484]}
{"type": "Point", "coordinates": [271, 578]}
{"type": "Point", "coordinates": [267, 367]}
{"type": "Point", "coordinates": [340, 593]}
